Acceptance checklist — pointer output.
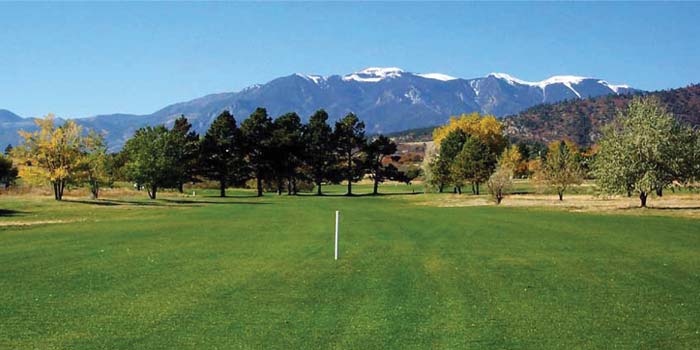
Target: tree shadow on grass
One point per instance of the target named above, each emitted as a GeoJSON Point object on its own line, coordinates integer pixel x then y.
{"type": "Point", "coordinates": [164, 202]}
{"type": "Point", "coordinates": [652, 208]}
{"type": "Point", "coordinates": [181, 201]}
{"type": "Point", "coordinates": [338, 195]}
{"type": "Point", "coordinates": [118, 202]}
{"type": "Point", "coordinates": [674, 208]}
{"type": "Point", "coordinates": [9, 212]}
{"type": "Point", "coordinates": [231, 196]}
{"type": "Point", "coordinates": [101, 202]}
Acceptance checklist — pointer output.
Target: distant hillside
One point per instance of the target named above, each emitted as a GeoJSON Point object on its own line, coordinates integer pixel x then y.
{"type": "Point", "coordinates": [413, 135]}
{"type": "Point", "coordinates": [581, 120]}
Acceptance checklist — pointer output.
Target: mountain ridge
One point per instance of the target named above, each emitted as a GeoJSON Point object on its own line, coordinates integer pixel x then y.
{"type": "Point", "coordinates": [387, 99]}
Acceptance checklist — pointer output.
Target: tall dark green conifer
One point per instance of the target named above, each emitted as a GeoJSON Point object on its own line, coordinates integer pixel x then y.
{"type": "Point", "coordinates": [286, 152]}
{"type": "Point", "coordinates": [8, 173]}
{"type": "Point", "coordinates": [221, 155]}
{"type": "Point", "coordinates": [257, 133]}
{"type": "Point", "coordinates": [187, 144]}
{"type": "Point", "coordinates": [319, 155]}
{"type": "Point", "coordinates": [349, 136]}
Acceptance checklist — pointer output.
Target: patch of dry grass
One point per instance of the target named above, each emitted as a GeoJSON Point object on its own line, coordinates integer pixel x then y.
{"type": "Point", "coordinates": [36, 222]}
{"type": "Point", "coordinates": [683, 205]}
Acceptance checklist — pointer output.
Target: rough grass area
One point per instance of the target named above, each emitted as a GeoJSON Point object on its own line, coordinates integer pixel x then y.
{"type": "Point", "coordinates": [258, 273]}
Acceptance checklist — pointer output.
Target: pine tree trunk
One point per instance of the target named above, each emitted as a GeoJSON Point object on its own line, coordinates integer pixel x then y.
{"type": "Point", "coordinates": [643, 198]}
{"type": "Point", "coordinates": [222, 188]}
{"type": "Point", "coordinates": [561, 195]}
{"type": "Point", "coordinates": [349, 175]}
{"type": "Point", "coordinates": [318, 188]}
{"type": "Point", "coordinates": [441, 187]}
{"type": "Point", "coordinates": [181, 187]}
{"type": "Point", "coordinates": [660, 191]}
{"type": "Point", "coordinates": [295, 191]}
{"type": "Point", "coordinates": [376, 187]}
{"type": "Point", "coordinates": [260, 189]}
{"type": "Point", "coordinates": [477, 188]}
{"type": "Point", "coordinates": [459, 189]}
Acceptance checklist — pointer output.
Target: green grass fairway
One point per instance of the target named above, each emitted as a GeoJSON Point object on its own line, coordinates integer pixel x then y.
{"type": "Point", "coordinates": [258, 273]}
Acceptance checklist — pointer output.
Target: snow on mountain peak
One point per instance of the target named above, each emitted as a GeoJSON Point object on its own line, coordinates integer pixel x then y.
{"type": "Point", "coordinates": [374, 74]}
{"type": "Point", "coordinates": [314, 78]}
{"type": "Point", "coordinates": [436, 76]}
{"type": "Point", "coordinates": [557, 79]}
{"type": "Point", "coordinates": [566, 80]}
{"type": "Point", "coordinates": [612, 87]}
{"type": "Point", "coordinates": [381, 71]}
{"type": "Point", "coordinates": [510, 79]}
{"type": "Point", "coordinates": [562, 79]}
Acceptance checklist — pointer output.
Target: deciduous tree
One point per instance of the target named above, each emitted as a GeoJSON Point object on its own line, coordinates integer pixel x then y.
{"type": "Point", "coordinates": [639, 150]}
{"type": "Point", "coordinates": [474, 163]}
{"type": "Point", "coordinates": [152, 154]}
{"type": "Point", "coordinates": [487, 128]}
{"type": "Point", "coordinates": [500, 182]}
{"type": "Point", "coordinates": [450, 147]}
{"type": "Point", "coordinates": [53, 154]}
{"type": "Point", "coordinates": [376, 152]}
{"type": "Point", "coordinates": [561, 168]}
{"type": "Point", "coordinates": [94, 163]}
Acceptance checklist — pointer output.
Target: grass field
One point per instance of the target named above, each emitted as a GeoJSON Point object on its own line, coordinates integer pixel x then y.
{"type": "Point", "coordinates": [258, 273]}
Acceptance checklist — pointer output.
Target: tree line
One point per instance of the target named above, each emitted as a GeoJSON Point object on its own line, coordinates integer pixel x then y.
{"type": "Point", "coordinates": [643, 151]}
{"type": "Point", "coordinates": [283, 155]}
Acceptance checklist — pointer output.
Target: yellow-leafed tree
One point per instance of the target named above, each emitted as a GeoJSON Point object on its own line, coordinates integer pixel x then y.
{"type": "Point", "coordinates": [94, 163]}
{"type": "Point", "coordinates": [52, 154]}
{"type": "Point", "coordinates": [513, 159]}
{"type": "Point", "coordinates": [487, 128]}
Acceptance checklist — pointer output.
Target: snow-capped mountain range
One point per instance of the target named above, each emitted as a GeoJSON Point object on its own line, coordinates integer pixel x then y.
{"type": "Point", "coordinates": [387, 99]}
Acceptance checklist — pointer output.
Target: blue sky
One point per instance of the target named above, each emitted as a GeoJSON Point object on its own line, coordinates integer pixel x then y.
{"type": "Point", "coordinates": [81, 59]}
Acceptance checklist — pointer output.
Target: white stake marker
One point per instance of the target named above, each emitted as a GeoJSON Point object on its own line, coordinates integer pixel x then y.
{"type": "Point", "coordinates": [337, 215]}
